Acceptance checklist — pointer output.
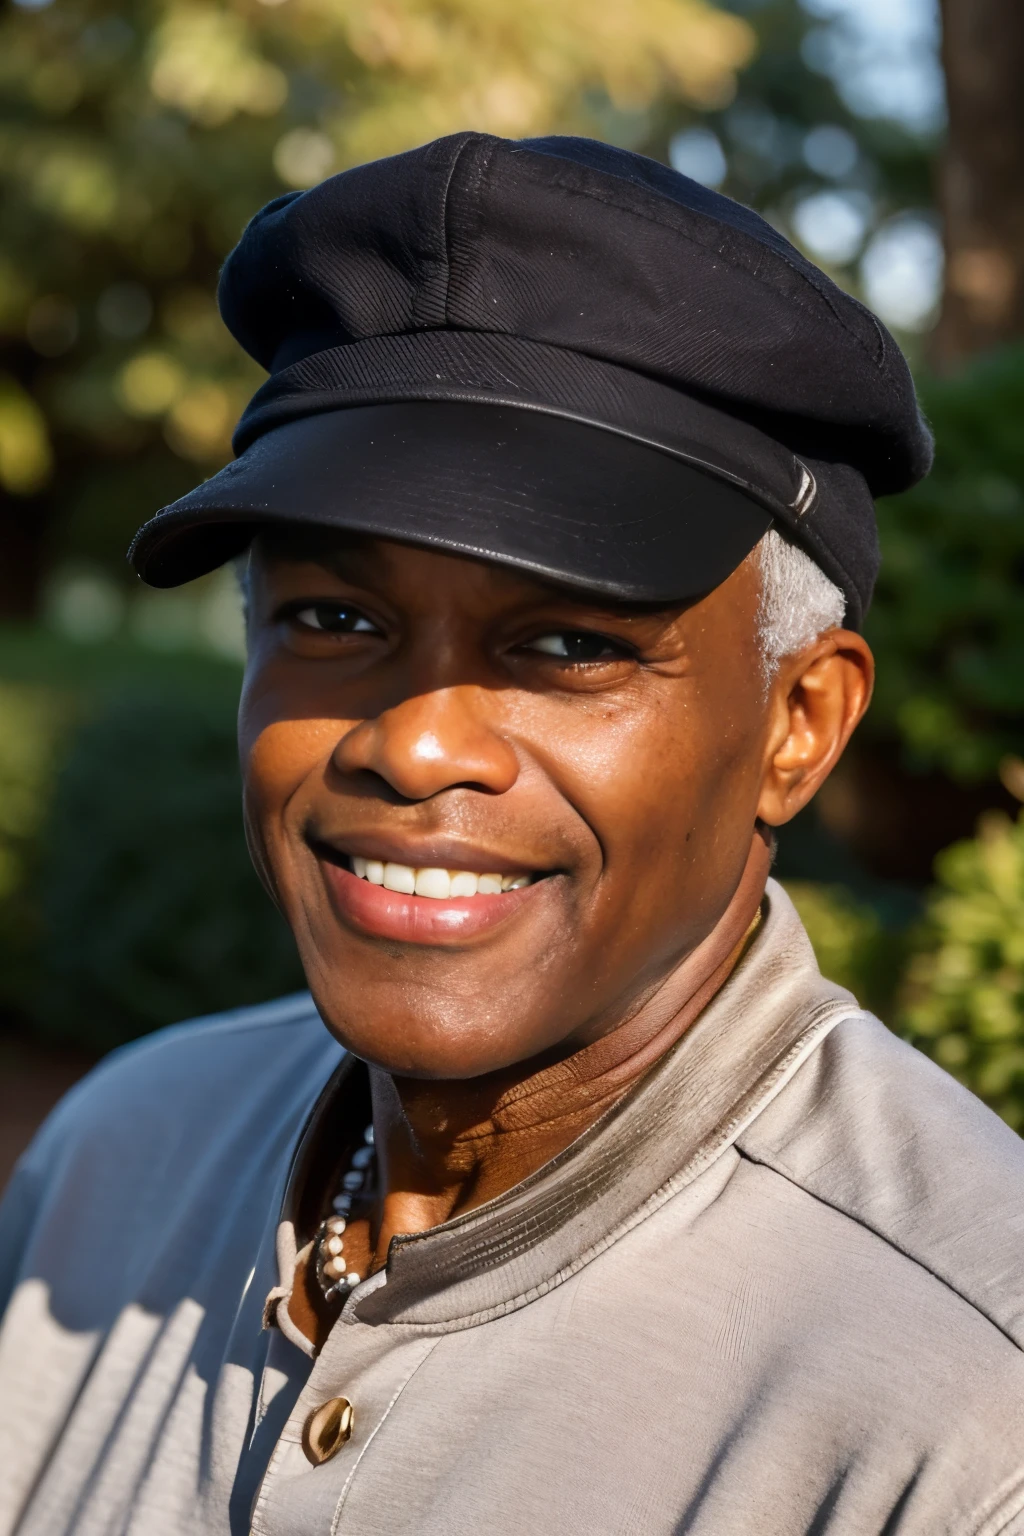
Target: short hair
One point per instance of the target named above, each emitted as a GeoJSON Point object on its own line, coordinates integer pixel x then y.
{"type": "Point", "coordinates": [798, 601]}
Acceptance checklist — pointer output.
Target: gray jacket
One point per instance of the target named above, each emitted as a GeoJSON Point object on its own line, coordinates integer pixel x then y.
{"type": "Point", "coordinates": [778, 1290]}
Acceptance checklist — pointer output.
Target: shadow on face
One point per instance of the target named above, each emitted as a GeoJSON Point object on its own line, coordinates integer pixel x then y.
{"type": "Point", "coordinates": [572, 787]}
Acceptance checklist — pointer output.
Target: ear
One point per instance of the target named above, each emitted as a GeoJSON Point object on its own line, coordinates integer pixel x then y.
{"type": "Point", "coordinates": [817, 698]}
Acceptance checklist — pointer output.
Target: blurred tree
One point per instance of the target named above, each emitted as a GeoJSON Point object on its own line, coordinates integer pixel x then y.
{"type": "Point", "coordinates": [982, 178]}
{"type": "Point", "coordinates": [135, 141]}
{"type": "Point", "coordinates": [841, 165]}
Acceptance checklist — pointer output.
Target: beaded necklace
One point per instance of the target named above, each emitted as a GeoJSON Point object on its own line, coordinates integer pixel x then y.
{"type": "Point", "coordinates": [333, 1274]}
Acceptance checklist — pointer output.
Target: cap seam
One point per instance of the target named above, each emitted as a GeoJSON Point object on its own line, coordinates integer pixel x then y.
{"type": "Point", "coordinates": [428, 301]}
{"type": "Point", "coordinates": [474, 181]}
{"type": "Point", "coordinates": [468, 140]}
{"type": "Point", "coordinates": [661, 223]}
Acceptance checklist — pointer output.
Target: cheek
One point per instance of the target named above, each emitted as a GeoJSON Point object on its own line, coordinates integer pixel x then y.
{"type": "Point", "coordinates": [283, 765]}
{"type": "Point", "coordinates": [284, 733]}
{"type": "Point", "coordinates": [664, 778]}
{"type": "Point", "coordinates": [281, 756]}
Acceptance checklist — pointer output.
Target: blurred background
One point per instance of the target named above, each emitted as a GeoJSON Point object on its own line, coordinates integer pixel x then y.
{"type": "Point", "coordinates": [136, 139]}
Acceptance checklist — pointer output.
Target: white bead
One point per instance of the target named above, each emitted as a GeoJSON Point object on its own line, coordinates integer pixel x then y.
{"type": "Point", "coordinates": [334, 1245]}
{"type": "Point", "coordinates": [342, 1204]}
{"type": "Point", "coordinates": [352, 1278]}
{"type": "Point", "coordinates": [352, 1180]}
{"type": "Point", "coordinates": [362, 1158]}
{"type": "Point", "coordinates": [368, 1135]}
{"type": "Point", "coordinates": [336, 1224]}
{"type": "Point", "coordinates": [334, 1269]}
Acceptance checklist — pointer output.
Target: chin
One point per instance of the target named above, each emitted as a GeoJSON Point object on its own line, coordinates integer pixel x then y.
{"type": "Point", "coordinates": [435, 1049]}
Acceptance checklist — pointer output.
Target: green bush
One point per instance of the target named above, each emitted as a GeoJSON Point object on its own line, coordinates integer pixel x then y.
{"type": "Point", "coordinates": [947, 624]}
{"type": "Point", "coordinates": [853, 945]}
{"type": "Point", "coordinates": [128, 900]}
{"type": "Point", "coordinates": [33, 720]}
{"type": "Point", "coordinates": [963, 994]}
{"type": "Point", "coordinates": [150, 908]}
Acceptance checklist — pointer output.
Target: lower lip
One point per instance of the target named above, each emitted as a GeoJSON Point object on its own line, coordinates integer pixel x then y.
{"type": "Point", "coordinates": [384, 914]}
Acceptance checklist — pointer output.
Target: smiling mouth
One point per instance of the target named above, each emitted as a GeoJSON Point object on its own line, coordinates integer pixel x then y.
{"type": "Point", "coordinates": [437, 884]}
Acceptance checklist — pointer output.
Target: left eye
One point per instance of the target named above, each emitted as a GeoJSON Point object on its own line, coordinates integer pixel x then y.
{"type": "Point", "coordinates": [330, 618]}
{"type": "Point", "coordinates": [577, 645]}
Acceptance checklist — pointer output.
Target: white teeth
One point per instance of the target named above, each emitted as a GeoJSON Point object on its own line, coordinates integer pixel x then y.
{"type": "Point", "coordinates": [439, 884]}
{"type": "Point", "coordinates": [400, 878]}
{"type": "Point", "coordinates": [434, 882]}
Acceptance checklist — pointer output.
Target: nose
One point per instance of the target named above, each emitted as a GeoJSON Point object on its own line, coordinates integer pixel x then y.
{"type": "Point", "coordinates": [432, 742]}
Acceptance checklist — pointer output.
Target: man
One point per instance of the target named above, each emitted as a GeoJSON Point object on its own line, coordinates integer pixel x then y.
{"type": "Point", "coordinates": [593, 1207]}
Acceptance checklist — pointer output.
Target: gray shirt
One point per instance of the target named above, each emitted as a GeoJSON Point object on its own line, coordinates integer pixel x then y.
{"type": "Point", "coordinates": [777, 1290]}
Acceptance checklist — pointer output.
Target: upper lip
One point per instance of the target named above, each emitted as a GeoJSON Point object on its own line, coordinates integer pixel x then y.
{"type": "Point", "coordinates": [425, 853]}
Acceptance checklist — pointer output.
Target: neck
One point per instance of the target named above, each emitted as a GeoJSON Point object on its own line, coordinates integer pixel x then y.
{"type": "Point", "coordinates": [448, 1147]}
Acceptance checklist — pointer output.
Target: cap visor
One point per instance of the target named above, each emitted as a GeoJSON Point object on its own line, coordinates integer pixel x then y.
{"type": "Point", "coordinates": [565, 500]}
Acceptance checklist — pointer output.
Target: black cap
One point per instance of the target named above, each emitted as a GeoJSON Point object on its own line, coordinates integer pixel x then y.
{"type": "Point", "coordinates": [559, 355]}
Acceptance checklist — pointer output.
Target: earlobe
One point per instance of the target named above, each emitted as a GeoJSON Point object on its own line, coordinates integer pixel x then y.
{"type": "Point", "coordinates": [818, 698]}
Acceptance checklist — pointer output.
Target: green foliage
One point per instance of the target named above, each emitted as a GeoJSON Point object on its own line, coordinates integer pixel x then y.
{"type": "Point", "coordinates": [854, 947]}
{"type": "Point", "coordinates": [963, 997]}
{"type": "Point", "coordinates": [947, 623]}
{"type": "Point", "coordinates": [128, 899]}
{"type": "Point", "coordinates": [33, 721]}
{"type": "Point", "coordinates": [953, 983]}
{"type": "Point", "coordinates": [150, 908]}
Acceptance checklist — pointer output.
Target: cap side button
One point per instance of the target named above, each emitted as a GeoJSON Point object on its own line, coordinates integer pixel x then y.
{"type": "Point", "coordinates": [807, 492]}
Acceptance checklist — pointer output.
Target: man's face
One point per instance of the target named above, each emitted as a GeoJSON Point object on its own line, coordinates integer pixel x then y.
{"type": "Point", "coordinates": [430, 711]}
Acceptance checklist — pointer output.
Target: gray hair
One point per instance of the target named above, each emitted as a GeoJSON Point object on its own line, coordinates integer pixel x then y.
{"type": "Point", "coordinates": [798, 601]}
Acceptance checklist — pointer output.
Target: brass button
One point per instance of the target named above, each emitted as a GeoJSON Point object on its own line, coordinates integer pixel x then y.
{"type": "Point", "coordinates": [327, 1429]}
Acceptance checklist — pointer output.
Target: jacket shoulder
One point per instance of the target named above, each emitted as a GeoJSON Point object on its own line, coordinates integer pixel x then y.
{"type": "Point", "coordinates": [174, 1111]}
{"type": "Point", "coordinates": [194, 1061]}
{"type": "Point", "coordinates": [162, 1100]}
{"type": "Point", "coordinates": [877, 1131]}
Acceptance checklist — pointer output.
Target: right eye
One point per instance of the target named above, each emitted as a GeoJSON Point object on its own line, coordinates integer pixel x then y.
{"type": "Point", "coordinates": [333, 619]}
